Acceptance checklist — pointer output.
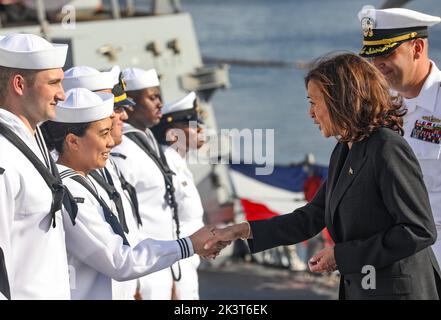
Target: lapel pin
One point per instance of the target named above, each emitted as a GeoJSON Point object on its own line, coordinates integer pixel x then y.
{"type": "Point", "coordinates": [351, 172]}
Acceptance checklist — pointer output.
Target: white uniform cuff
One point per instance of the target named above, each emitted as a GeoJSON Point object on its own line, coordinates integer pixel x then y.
{"type": "Point", "coordinates": [185, 247]}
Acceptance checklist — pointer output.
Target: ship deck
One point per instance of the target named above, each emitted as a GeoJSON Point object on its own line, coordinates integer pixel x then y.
{"type": "Point", "coordinates": [240, 280]}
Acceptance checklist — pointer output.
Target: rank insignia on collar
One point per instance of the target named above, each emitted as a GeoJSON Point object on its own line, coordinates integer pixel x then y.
{"type": "Point", "coordinates": [431, 119]}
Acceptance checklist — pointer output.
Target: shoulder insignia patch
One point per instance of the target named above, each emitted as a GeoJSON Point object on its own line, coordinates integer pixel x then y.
{"type": "Point", "coordinates": [79, 200]}
{"type": "Point", "coordinates": [2, 170]}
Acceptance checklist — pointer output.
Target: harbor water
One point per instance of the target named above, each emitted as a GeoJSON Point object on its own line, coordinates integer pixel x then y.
{"type": "Point", "coordinates": [289, 31]}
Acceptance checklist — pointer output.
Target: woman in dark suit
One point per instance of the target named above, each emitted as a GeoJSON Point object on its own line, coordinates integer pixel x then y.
{"type": "Point", "coordinates": [374, 202]}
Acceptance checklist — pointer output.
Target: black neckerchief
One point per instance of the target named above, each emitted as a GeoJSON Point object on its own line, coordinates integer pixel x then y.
{"type": "Point", "coordinates": [4, 282]}
{"type": "Point", "coordinates": [167, 173]}
{"type": "Point", "coordinates": [107, 184]}
{"type": "Point", "coordinates": [131, 190]}
{"type": "Point", "coordinates": [60, 194]}
{"type": "Point", "coordinates": [110, 218]}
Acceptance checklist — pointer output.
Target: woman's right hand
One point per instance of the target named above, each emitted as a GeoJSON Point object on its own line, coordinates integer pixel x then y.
{"type": "Point", "coordinates": [228, 234]}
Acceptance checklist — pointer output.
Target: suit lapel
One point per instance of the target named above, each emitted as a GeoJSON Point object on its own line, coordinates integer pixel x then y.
{"type": "Point", "coordinates": [351, 168]}
{"type": "Point", "coordinates": [336, 161]}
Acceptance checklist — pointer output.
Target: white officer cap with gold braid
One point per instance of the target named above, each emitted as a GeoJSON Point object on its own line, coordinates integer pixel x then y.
{"type": "Point", "coordinates": [82, 105]}
{"type": "Point", "coordinates": [386, 29]}
{"type": "Point", "coordinates": [181, 110]}
{"type": "Point", "coordinates": [28, 51]}
{"type": "Point", "coordinates": [87, 77]}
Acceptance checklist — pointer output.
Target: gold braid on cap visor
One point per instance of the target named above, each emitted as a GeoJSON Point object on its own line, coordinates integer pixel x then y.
{"type": "Point", "coordinates": [370, 51]}
{"type": "Point", "coordinates": [390, 40]}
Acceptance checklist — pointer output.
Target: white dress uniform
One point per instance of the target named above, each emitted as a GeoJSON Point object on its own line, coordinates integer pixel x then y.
{"type": "Point", "coordinates": [157, 217]}
{"type": "Point", "coordinates": [142, 173]}
{"type": "Point", "coordinates": [384, 31]}
{"type": "Point", "coordinates": [190, 220]}
{"type": "Point", "coordinates": [97, 253]}
{"type": "Point", "coordinates": [94, 80]}
{"type": "Point", "coordinates": [133, 237]}
{"type": "Point", "coordinates": [35, 252]}
{"type": "Point", "coordinates": [426, 109]}
{"type": "Point", "coordinates": [190, 210]}
{"type": "Point", "coordinates": [122, 290]}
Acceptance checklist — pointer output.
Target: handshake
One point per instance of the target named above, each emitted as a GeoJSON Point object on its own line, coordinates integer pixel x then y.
{"type": "Point", "coordinates": [209, 241]}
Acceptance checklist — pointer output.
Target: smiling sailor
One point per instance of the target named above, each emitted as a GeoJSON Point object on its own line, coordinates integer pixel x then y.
{"type": "Point", "coordinates": [396, 40]}
{"type": "Point", "coordinates": [98, 249]}
{"type": "Point", "coordinates": [32, 238]}
{"type": "Point", "coordinates": [108, 180]}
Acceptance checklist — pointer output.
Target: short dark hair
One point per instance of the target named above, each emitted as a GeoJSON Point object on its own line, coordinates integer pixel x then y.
{"type": "Point", "coordinates": [357, 96]}
{"type": "Point", "coordinates": [55, 133]}
{"type": "Point", "coordinates": [7, 73]}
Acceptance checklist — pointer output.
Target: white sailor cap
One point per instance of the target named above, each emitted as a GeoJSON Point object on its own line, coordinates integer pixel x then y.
{"type": "Point", "coordinates": [181, 110]}
{"type": "Point", "coordinates": [82, 105]}
{"type": "Point", "coordinates": [386, 29]}
{"type": "Point", "coordinates": [137, 79]}
{"type": "Point", "coordinates": [28, 51]}
{"type": "Point", "coordinates": [87, 77]}
{"type": "Point", "coordinates": [115, 71]}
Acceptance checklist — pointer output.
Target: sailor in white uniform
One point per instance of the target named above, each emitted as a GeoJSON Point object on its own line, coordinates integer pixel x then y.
{"type": "Point", "coordinates": [396, 42]}
{"type": "Point", "coordinates": [31, 227]}
{"type": "Point", "coordinates": [98, 249]}
{"type": "Point", "coordinates": [110, 180]}
{"type": "Point", "coordinates": [142, 167]}
{"type": "Point", "coordinates": [178, 133]}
